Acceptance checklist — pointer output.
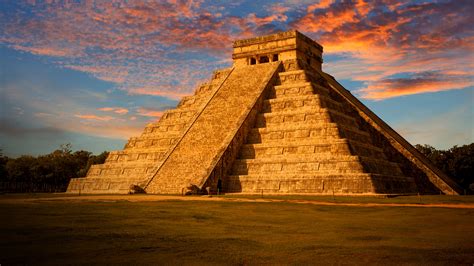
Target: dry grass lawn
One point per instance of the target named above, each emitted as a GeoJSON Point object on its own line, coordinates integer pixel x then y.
{"type": "Point", "coordinates": [228, 232]}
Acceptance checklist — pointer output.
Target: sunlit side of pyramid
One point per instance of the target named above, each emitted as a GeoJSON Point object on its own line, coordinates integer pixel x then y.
{"type": "Point", "coordinates": [272, 123]}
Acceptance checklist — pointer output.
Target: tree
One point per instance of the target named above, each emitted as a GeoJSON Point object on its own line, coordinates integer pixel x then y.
{"type": "Point", "coordinates": [457, 162]}
{"type": "Point", "coordinates": [93, 159]}
{"type": "Point", "coordinates": [21, 169]}
{"type": "Point", "coordinates": [460, 164]}
{"type": "Point", "coordinates": [51, 171]}
{"type": "Point", "coordinates": [3, 169]}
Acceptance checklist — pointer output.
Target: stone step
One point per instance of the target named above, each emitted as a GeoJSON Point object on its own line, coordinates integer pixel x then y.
{"type": "Point", "coordinates": [276, 157]}
{"type": "Point", "coordinates": [164, 127]}
{"type": "Point", "coordinates": [186, 110]}
{"type": "Point", "coordinates": [204, 89]}
{"type": "Point", "coordinates": [193, 101]}
{"type": "Point", "coordinates": [142, 150]}
{"type": "Point", "coordinates": [296, 76]}
{"type": "Point", "coordinates": [316, 162]}
{"type": "Point", "coordinates": [176, 115]}
{"type": "Point", "coordinates": [302, 88]}
{"type": "Point", "coordinates": [347, 183]}
{"type": "Point", "coordinates": [313, 146]}
{"type": "Point", "coordinates": [160, 134]}
{"type": "Point", "coordinates": [380, 166]}
{"type": "Point", "coordinates": [188, 101]}
{"type": "Point", "coordinates": [110, 185]}
{"type": "Point", "coordinates": [299, 76]}
{"type": "Point", "coordinates": [298, 183]}
{"type": "Point", "coordinates": [299, 164]}
{"type": "Point", "coordinates": [130, 155]}
{"type": "Point", "coordinates": [146, 141]}
{"type": "Point", "coordinates": [304, 115]}
{"type": "Point", "coordinates": [121, 168]}
{"type": "Point", "coordinates": [126, 164]}
{"type": "Point", "coordinates": [300, 101]}
{"type": "Point", "coordinates": [366, 149]}
{"type": "Point", "coordinates": [354, 134]}
{"type": "Point", "coordinates": [302, 132]}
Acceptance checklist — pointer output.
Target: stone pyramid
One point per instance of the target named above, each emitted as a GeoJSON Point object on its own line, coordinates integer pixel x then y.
{"type": "Point", "coordinates": [274, 123]}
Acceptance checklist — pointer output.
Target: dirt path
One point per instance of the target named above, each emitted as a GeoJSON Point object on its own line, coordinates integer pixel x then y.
{"type": "Point", "coordinates": [143, 198]}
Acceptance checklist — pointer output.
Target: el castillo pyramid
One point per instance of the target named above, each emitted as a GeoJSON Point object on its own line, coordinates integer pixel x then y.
{"type": "Point", "coordinates": [272, 123]}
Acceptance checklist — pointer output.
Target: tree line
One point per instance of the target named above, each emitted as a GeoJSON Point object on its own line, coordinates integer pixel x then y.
{"type": "Point", "coordinates": [456, 162]}
{"type": "Point", "coordinates": [46, 173]}
{"type": "Point", "coordinates": [52, 172]}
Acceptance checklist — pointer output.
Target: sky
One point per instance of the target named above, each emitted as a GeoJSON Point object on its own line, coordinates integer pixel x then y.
{"type": "Point", "coordinates": [93, 74]}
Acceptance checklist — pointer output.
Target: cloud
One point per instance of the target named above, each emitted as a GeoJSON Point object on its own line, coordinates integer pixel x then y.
{"type": "Point", "coordinates": [323, 4]}
{"type": "Point", "coordinates": [383, 39]}
{"type": "Point", "coordinates": [164, 48]}
{"type": "Point", "coordinates": [117, 110]}
{"type": "Point", "coordinates": [40, 114]}
{"type": "Point", "coordinates": [48, 51]}
{"type": "Point", "coordinates": [157, 92]}
{"type": "Point", "coordinates": [417, 83]}
{"type": "Point", "coordinates": [130, 44]}
{"type": "Point", "coordinates": [150, 112]}
{"type": "Point", "coordinates": [94, 117]}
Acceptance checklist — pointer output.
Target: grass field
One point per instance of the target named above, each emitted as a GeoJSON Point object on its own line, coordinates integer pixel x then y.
{"type": "Point", "coordinates": [225, 232]}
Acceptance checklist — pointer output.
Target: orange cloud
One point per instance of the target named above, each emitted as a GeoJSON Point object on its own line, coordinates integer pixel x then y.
{"type": "Point", "coordinates": [117, 110]}
{"type": "Point", "coordinates": [421, 83]}
{"type": "Point", "coordinates": [252, 18]}
{"type": "Point", "coordinates": [147, 48]}
{"type": "Point", "coordinates": [321, 5]}
{"type": "Point", "coordinates": [327, 21]}
{"type": "Point", "coordinates": [149, 112]}
{"type": "Point", "coordinates": [408, 38]}
{"type": "Point", "coordinates": [94, 117]}
{"type": "Point", "coordinates": [120, 131]}
{"type": "Point", "coordinates": [147, 91]}
{"type": "Point", "coordinates": [47, 51]}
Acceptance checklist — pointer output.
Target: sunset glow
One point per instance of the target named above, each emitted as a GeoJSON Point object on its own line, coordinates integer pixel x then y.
{"type": "Point", "coordinates": [95, 73]}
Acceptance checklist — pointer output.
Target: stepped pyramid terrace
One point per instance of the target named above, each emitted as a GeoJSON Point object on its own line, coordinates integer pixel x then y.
{"type": "Point", "coordinates": [273, 123]}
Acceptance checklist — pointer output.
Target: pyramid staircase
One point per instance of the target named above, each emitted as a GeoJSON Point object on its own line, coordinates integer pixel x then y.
{"type": "Point", "coordinates": [215, 135]}
{"type": "Point", "coordinates": [304, 141]}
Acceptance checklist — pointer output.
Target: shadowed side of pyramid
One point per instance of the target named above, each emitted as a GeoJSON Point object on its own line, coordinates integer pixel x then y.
{"type": "Point", "coordinates": [428, 178]}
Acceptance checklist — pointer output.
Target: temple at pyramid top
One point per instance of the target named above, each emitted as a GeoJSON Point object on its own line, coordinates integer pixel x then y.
{"type": "Point", "coordinates": [272, 123]}
{"type": "Point", "coordinates": [283, 46]}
